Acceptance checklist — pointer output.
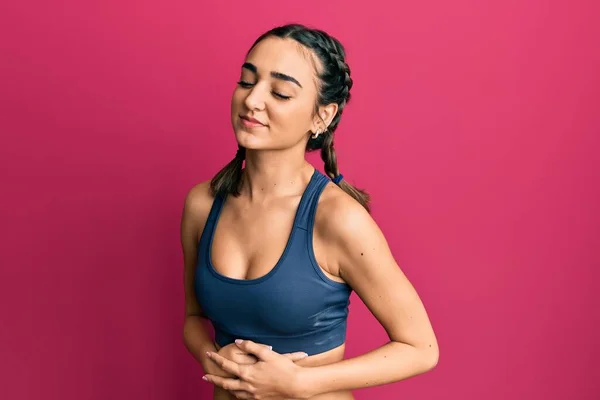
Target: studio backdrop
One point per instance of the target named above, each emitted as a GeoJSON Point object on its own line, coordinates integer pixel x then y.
{"type": "Point", "coordinates": [474, 125]}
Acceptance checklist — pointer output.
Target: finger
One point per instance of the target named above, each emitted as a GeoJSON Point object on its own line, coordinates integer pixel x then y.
{"type": "Point", "coordinates": [239, 356]}
{"type": "Point", "coordinates": [264, 345]}
{"type": "Point", "coordinates": [245, 359]}
{"type": "Point", "coordinates": [296, 356]}
{"type": "Point", "coordinates": [225, 364]}
{"type": "Point", "coordinates": [259, 350]}
{"type": "Point", "coordinates": [228, 384]}
{"type": "Point", "coordinates": [240, 352]}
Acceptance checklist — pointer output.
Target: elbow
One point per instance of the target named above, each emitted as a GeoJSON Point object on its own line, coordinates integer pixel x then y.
{"type": "Point", "coordinates": [433, 360]}
{"type": "Point", "coordinates": [431, 357]}
{"type": "Point", "coordinates": [427, 356]}
{"type": "Point", "coordinates": [430, 351]}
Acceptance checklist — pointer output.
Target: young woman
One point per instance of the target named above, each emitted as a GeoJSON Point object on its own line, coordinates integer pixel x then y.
{"type": "Point", "coordinates": [274, 248]}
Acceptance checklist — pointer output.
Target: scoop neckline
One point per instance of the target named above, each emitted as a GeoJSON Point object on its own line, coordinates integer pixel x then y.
{"type": "Point", "coordinates": [281, 257]}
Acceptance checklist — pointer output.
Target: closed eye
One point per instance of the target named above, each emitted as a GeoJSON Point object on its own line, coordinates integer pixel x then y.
{"type": "Point", "coordinates": [279, 95]}
{"type": "Point", "coordinates": [247, 85]}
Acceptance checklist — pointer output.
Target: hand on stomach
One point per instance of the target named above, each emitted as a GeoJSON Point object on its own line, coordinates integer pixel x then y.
{"type": "Point", "coordinates": [234, 353]}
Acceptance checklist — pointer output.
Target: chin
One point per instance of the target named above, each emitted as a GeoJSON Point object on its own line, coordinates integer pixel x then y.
{"type": "Point", "coordinates": [249, 140]}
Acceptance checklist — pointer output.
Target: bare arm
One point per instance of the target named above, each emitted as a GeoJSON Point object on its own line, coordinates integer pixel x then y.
{"type": "Point", "coordinates": [363, 259]}
{"type": "Point", "coordinates": [195, 332]}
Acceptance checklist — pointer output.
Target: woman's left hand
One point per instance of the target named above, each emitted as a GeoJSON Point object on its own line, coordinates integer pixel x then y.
{"type": "Point", "coordinates": [273, 376]}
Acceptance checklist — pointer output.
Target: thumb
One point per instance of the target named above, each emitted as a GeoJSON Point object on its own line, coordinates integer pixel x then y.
{"type": "Point", "coordinates": [296, 356]}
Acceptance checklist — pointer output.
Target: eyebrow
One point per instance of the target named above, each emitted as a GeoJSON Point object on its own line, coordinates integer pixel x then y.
{"type": "Point", "coordinates": [276, 75]}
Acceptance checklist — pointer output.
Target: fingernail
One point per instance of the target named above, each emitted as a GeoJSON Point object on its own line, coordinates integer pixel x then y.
{"type": "Point", "coordinates": [238, 341]}
{"type": "Point", "coordinates": [305, 355]}
{"type": "Point", "coordinates": [208, 353]}
{"type": "Point", "coordinates": [270, 347]}
{"type": "Point", "coordinates": [205, 378]}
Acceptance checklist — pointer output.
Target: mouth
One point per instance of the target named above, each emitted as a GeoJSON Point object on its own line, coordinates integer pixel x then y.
{"type": "Point", "coordinates": [250, 122]}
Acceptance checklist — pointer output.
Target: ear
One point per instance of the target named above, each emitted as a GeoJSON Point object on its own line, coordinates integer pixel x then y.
{"type": "Point", "coordinates": [324, 116]}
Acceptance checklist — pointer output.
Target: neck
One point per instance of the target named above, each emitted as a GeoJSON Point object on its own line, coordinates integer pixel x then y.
{"type": "Point", "coordinates": [274, 173]}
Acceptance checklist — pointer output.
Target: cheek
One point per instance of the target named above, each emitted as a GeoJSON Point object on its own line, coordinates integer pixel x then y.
{"type": "Point", "coordinates": [236, 99]}
{"type": "Point", "coordinates": [291, 118]}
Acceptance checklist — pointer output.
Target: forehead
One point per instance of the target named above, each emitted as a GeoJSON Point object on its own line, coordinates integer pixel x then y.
{"type": "Point", "coordinates": [286, 56]}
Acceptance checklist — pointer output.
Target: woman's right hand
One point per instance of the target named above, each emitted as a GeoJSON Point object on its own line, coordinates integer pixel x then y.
{"type": "Point", "coordinates": [235, 354]}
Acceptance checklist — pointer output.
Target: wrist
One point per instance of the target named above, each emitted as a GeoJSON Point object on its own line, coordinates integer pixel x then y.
{"type": "Point", "coordinates": [304, 384]}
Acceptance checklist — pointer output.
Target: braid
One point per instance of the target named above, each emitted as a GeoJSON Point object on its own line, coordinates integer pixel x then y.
{"type": "Point", "coordinates": [229, 179]}
{"type": "Point", "coordinates": [328, 156]}
{"type": "Point", "coordinates": [335, 84]}
{"type": "Point", "coordinates": [335, 78]}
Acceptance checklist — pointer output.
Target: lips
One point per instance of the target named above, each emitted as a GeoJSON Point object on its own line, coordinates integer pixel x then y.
{"type": "Point", "coordinates": [249, 121]}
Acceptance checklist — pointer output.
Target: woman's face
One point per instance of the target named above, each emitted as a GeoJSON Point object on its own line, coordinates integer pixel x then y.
{"type": "Point", "coordinates": [272, 107]}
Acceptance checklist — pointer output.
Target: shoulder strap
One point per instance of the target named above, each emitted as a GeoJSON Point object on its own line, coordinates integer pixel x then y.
{"type": "Point", "coordinates": [310, 199]}
{"type": "Point", "coordinates": [215, 209]}
{"type": "Point", "coordinates": [213, 215]}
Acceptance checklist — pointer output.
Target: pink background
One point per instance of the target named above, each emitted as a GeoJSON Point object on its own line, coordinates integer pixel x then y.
{"type": "Point", "coordinates": [474, 125]}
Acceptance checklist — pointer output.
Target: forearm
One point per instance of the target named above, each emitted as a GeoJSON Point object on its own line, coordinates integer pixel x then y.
{"type": "Point", "coordinates": [198, 341]}
{"type": "Point", "coordinates": [390, 363]}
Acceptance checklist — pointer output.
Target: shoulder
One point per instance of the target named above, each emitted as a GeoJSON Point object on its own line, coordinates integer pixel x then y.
{"type": "Point", "coordinates": [353, 238]}
{"type": "Point", "coordinates": [341, 219]}
{"type": "Point", "coordinates": [197, 204]}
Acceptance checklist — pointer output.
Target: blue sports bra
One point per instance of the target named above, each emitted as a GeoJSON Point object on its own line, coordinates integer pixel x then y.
{"type": "Point", "coordinates": [294, 307]}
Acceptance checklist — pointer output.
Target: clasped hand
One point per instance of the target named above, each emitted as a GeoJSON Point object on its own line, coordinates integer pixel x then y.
{"type": "Point", "coordinates": [271, 376]}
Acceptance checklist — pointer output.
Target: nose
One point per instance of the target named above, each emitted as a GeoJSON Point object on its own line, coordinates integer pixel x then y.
{"type": "Point", "coordinates": [255, 99]}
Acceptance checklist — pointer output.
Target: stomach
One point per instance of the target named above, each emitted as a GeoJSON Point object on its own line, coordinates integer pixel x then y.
{"type": "Point", "coordinates": [325, 358]}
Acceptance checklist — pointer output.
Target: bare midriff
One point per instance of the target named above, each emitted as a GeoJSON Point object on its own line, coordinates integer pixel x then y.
{"type": "Point", "coordinates": [328, 357]}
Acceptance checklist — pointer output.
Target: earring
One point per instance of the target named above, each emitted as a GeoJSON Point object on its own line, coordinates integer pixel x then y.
{"type": "Point", "coordinates": [316, 134]}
